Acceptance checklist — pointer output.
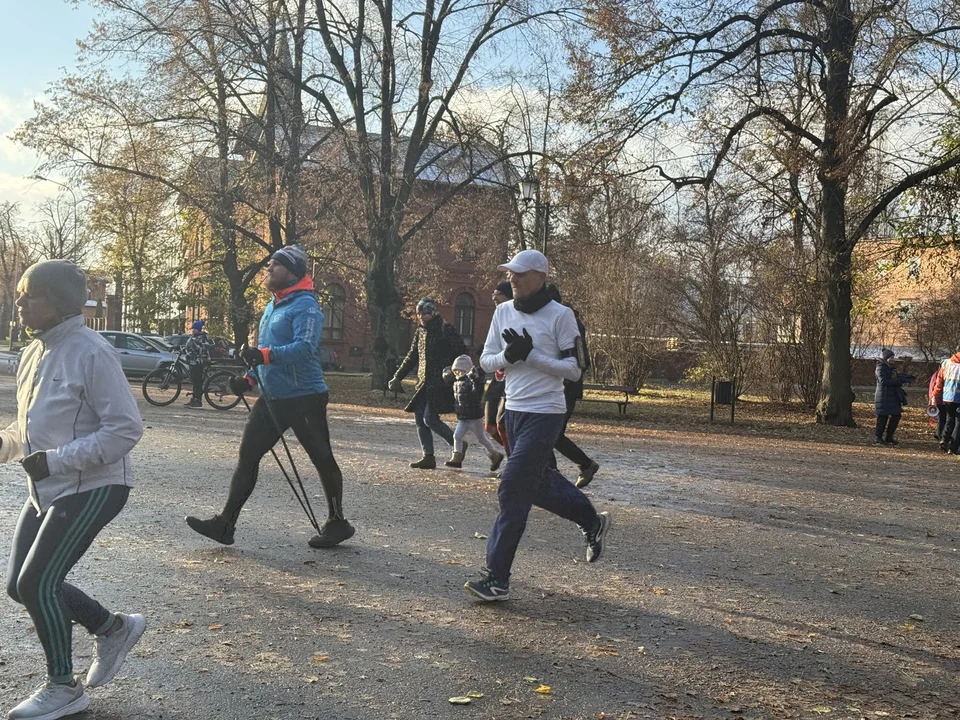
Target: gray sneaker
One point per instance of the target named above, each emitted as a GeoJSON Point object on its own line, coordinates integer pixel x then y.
{"type": "Point", "coordinates": [51, 701]}
{"type": "Point", "coordinates": [596, 535]}
{"type": "Point", "coordinates": [109, 651]}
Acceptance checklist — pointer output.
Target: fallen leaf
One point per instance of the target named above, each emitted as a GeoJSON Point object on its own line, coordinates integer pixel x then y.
{"type": "Point", "coordinates": [475, 695]}
{"type": "Point", "coordinates": [460, 700]}
{"type": "Point", "coordinates": [312, 679]}
{"type": "Point", "coordinates": [908, 627]}
{"type": "Point", "coordinates": [659, 591]}
{"type": "Point", "coordinates": [214, 627]}
{"type": "Point", "coordinates": [544, 690]}
{"type": "Point", "coordinates": [918, 618]}
{"type": "Point", "coordinates": [821, 710]}
{"type": "Point", "coordinates": [641, 649]}
{"type": "Point", "coordinates": [321, 658]}
{"type": "Point", "coordinates": [480, 536]}
{"type": "Point", "coordinates": [530, 679]}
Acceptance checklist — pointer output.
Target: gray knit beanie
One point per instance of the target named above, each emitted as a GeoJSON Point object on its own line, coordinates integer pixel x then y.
{"type": "Point", "coordinates": [293, 258]}
{"type": "Point", "coordinates": [62, 282]}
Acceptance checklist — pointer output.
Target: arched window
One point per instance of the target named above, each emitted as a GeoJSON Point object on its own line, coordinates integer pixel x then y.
{"type": "Point", "coordinates": [333, 305]}
{"type": "Point", "coordinates": [463, 313]}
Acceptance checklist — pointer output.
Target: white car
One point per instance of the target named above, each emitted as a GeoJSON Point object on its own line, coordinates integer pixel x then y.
{"type": "Point", "coordinates": [138, 355]}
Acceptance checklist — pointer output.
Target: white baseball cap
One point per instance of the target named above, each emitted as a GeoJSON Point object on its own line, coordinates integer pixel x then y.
{"type": "Point", "coordinates": [527, 260]}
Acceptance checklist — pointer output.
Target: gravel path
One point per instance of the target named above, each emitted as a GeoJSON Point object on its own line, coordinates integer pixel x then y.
{"type": "Point", "coordinates": [744, 578]}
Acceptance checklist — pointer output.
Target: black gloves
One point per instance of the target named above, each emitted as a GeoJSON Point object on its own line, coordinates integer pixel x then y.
{"type": "Point", "coordinates": [251, 356]}
{"type": "Point", "coordinates": [518, 346]}
{"type": "Point", "coordinates": [395, 385]}
{"type": "Point", "coordinates": [239, 384]}
{"type": "Point", "coordinates": [35, 466]}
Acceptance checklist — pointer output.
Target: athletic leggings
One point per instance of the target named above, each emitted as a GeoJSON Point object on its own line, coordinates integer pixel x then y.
{"type": "Point", "coordinates": [307, 416]}
{"type": "Point", "coordinates": [45, 549]}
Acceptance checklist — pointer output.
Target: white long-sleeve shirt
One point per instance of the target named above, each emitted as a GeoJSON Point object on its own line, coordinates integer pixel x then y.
{"type": "Point", "coordinates": [74, 404]}
{"type": "Point", "coordinates": [534, 385]}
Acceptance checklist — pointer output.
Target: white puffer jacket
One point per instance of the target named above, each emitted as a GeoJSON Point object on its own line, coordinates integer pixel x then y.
{"type": "Point", "coordinates": [74, 403]}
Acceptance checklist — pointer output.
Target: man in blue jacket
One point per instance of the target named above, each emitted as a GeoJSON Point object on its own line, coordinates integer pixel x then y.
{"type": "Point", "coordinates": [288, 367]}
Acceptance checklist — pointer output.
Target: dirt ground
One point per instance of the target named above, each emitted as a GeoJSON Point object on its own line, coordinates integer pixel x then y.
{"type": "Point", "coordinates": [769, 570]}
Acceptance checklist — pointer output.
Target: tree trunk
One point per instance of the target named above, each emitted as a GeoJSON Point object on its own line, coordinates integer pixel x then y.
{"type": "Point", "coordinates": [383, 308]}
{"type": "Point", "coordinates": [836, 395]}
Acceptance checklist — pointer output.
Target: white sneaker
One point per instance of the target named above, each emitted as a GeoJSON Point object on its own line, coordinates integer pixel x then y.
{"type": "Point", "coordinates": [109, 652]}
{"type": "Point", "coordinates": [51, 701]}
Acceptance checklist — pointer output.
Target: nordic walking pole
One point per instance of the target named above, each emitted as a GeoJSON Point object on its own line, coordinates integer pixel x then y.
{"type": "Point", "coordinates": [306, 507]}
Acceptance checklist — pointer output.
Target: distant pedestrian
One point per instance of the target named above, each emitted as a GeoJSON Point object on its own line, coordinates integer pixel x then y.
{"type": "Point", "coordinates": [948, 386]}
{"type": "Point", "coordinates": [196, 353]}
{"type": "Point", "coordinates": [534, 339]}
{"type": "Point", "coordinates": [435, 345]}
{"type": "Point", "coordinates": [468, 382]}
{"type": "Point", "coordinates": [889, 398]}
{"type": "Point", "coordinates": [287, 365]}
{"type": "Point", "coordinates": [935, 402]}
{"type": "Point", "coordinates": [76, 425]}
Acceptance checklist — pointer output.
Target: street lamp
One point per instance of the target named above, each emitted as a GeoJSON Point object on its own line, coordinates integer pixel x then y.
{"type": "Point", "coordinates": [530, 193]}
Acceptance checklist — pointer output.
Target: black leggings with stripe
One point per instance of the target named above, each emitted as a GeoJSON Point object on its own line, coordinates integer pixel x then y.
{"type": "Point", "coordinates": [45, 549]}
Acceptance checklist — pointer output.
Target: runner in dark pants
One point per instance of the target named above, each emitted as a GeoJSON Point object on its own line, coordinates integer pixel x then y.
{"type": "Point", "coordinates": [535, 340]}
{"type": "Point", "coordinates": [287, 364]}
{"type": "Point", "coordinates": [75, 428]}
{"type": "Point", "coordinates": [573, 391]}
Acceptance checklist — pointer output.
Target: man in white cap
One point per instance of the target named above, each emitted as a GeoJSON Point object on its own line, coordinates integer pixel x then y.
{"type": "Point", "coordinates": [534, 339]}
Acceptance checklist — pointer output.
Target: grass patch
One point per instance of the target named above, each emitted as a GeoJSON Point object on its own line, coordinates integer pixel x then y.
{"type": "Point", "coordinates": [683, 408]}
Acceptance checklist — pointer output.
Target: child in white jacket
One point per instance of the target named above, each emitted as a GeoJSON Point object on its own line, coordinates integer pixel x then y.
{"type": "Point", "coordinates": [77, 422]}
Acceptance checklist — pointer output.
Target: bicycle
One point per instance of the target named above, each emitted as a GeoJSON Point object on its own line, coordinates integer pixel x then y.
{"type": "Point", "coordinates": [163, 386]}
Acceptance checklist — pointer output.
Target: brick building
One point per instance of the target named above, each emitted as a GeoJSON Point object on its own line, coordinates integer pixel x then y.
{"type": "Point", "coordinates": [453, 258]}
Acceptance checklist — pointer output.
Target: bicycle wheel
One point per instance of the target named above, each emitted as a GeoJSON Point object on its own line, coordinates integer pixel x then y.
{"type": "Point", "coordinates": [217, 390]}
{"type": "Point", "coordinates": [162, 386]}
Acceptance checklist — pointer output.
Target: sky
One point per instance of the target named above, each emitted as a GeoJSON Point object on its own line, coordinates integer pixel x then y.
{"type": "Point", "coordinates": [38, 39]}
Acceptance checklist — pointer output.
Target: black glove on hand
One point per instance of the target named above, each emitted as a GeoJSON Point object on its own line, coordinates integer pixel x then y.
{"type": "Point", "coordinates": [518, 346]}
{"type": "Point", "coordinates": [239, 384]}
{"type": "Point", "coordinates": [251, 356]}
{"type": "Point", "coordinates": [36, 466]}
{"type": "Point", "coordinates": [395, 385]}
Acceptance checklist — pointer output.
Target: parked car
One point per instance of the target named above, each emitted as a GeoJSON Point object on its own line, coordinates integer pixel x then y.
{"type": "Point", "coordinates": [138, 355]}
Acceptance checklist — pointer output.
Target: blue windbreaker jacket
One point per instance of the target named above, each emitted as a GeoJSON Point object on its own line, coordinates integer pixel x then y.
{"type": "Point", "coordinates": [291, 327]}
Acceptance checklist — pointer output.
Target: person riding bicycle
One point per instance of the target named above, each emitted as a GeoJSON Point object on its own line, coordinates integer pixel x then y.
{"type": "Point", "coordinates": [196, 354]}
{"type": "Point", "coordinates": [293, 394]}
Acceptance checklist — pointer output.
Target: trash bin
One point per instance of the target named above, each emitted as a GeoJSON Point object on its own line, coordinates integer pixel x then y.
{"type": "Point", "coordinates": [723, 394]}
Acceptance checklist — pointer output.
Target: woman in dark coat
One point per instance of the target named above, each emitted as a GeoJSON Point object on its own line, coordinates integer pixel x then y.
{"type": "Point", "coordinates": [435, 346]}
{"type": "Point", "coordinates": [889, 398]}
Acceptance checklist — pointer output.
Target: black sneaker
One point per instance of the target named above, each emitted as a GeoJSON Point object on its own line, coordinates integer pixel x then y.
{"type": "Point", "coordinates": [427, 462]}
{"type": "Point", "coordinates": [215, 528]}
{"type": "Point", "coordinates": [333, 532]}
{"type": "Point", "coordinates": [879, 441]}
{"type": "Point", "coordinates": [488, 588]}
{"type": "Point", "coordinates": [891, 441]}
{"type": "Point", "coordinates": [595, 537]}
{"type": "Point", "coordinates": [586, 474]}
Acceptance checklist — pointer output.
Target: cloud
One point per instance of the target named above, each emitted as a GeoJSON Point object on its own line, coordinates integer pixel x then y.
{"type": "Point", "coordinates": [18, 163]}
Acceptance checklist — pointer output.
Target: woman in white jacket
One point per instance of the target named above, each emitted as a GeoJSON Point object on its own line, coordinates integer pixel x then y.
{"type": "Point", "coordinates": [77, 422]}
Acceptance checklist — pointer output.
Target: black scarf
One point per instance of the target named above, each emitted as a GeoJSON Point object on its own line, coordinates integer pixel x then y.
{"type": "Point", "coordinates": [535, 302]}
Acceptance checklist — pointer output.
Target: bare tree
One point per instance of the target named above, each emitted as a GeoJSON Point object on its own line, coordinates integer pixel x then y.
{"type": "Point", "coordinates": [871, 73]}
{"type": "Point", "coordinates": [15, 257]}
{"type": "Point", "coordinates": [59, 232]}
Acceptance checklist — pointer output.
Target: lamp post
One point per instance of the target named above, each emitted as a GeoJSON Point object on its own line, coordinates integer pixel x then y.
{"type": "Point", "coordinates": [530, 193]}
